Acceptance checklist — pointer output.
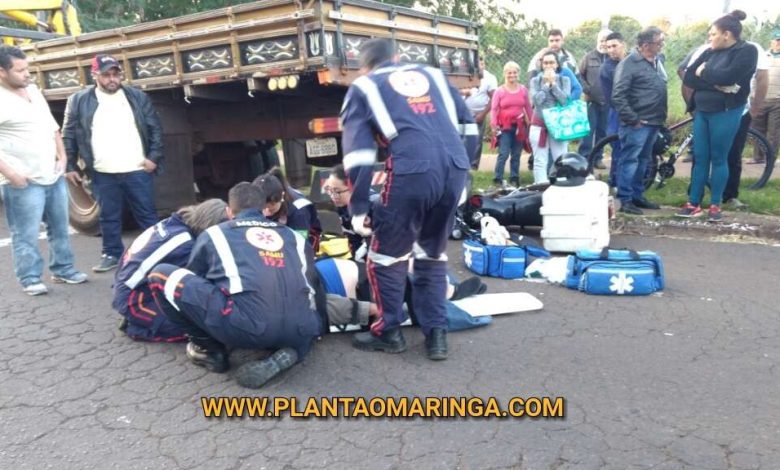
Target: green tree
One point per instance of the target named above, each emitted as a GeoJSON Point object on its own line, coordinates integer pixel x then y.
{"type": "Point", "coordinates": [582, 39]}
{"type": "Point", "coordinates": [625, 25]}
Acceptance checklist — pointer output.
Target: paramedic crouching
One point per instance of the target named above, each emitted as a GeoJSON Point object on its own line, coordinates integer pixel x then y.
{"type": "Point", "coordinates": [247, 285]}
{"type": "Point", "coordinates": [422, 119]}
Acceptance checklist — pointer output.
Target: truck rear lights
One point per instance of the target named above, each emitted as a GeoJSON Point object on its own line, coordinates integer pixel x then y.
{"type": "Point", "coordinates": [327, 125]}
{"type": "Point", "coordinates": [283, 82]}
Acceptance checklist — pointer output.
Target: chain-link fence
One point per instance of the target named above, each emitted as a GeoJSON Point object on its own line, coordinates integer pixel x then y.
{"type": "Point", "coordinates": [500, 44]}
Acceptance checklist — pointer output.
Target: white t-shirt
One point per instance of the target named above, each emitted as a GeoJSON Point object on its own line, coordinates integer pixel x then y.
{"type": "Point", "coordinates": [27, 135]}
{"type": "Point", "coordinates": [479, 98]}
{"type": "Point", "coordinates": [116, 142]}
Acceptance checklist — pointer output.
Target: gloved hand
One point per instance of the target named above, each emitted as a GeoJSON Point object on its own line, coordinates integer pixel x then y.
{"type": "Point", "coordinates": [361, 225]}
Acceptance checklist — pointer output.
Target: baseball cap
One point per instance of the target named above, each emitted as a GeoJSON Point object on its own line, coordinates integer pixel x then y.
{"type": "Point", "coordinates": [776, 34]}
{"type": "Point", "coordinates": [102, 63]}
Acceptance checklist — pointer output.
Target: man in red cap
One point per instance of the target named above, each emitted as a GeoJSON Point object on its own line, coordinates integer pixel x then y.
{"type": "Point", "coordinates": [116, 131]}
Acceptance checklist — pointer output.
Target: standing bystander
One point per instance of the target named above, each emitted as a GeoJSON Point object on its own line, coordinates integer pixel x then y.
{"type": "Point", "coordinates": [758, 91]}
{"type": "Point", "coordinates": [510, 115]}
{"type": "Point", "coordinates": [548, 89]}
{"type": "Point", "coordinates": [590, 68]}
{"type": "Point", "coordinates": [616, 51]}
{"type": "Point", "coordinates": [478, 101]}
{"type": "Point", "coordinates": [767, 120]}
{"type": "Point", "coordinates": [639, 97]}
{"type": "Point", "coordinates": [32, 161]}
{"type": "Point", "coordinates": [555, 44]}
{"type": "Point", "coordinates": [720, 78]}
{"type": "Point", "coordinates": [116, 131]}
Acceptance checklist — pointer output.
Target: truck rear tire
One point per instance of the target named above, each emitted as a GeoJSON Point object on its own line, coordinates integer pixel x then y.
{"type": "Point", "coordinates": [84, 210]}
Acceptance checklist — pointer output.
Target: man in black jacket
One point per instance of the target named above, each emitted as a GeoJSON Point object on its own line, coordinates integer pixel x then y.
{"type": "Point", "coordinates": [639, 97]}
{"type": "Point", "coordinates": [590, 68]}
{"type": "Point", "coordinates": [116, 131]}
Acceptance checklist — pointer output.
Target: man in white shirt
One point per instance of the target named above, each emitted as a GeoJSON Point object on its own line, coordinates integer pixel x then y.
{"type": "Point", "coordinates": [478, 101]}
{"type": "Point", "coordinates": [32, 160]}
{"type": "Point", "coordinates": [117, 133]}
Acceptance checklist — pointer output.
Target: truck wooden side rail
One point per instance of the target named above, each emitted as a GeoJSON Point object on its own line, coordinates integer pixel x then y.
{"type": "Point", "coordinates": [273, 69]}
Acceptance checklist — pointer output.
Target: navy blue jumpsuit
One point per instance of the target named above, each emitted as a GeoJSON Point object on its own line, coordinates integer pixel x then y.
{"type": "Point", "coordinates": [248, 285]}
{"type": "Point", "coordinates": [168, 241]}
{"type": "Point", "coordinates": [424, 123]}
{"type": "Point", "coordinates": [302, 217]}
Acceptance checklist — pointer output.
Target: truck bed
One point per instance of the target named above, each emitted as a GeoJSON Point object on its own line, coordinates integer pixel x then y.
{"type": "Point", "coordinates": [255, 43]}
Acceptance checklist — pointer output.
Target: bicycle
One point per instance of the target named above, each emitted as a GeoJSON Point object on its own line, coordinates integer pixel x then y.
{"type": "Point", "coordinates": [677, 140]}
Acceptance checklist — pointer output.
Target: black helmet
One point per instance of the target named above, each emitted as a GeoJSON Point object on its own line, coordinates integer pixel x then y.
{"type": "Point", "coordinates": [570, 169]}
{"type": "Point", "coordinates": [662, 141]}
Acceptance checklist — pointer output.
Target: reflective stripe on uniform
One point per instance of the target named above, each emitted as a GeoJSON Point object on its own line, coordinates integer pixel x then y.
{"type": "Point", "coordinates": [360, 157]}
{"type": "Point", "coordinates": [301, 203]}
{"type": "Point", "coordinates": [154, 259]}
{"type": "Point", "coordinates": [226, 258]}
{"type": "Point", "coordinates": [469, 129]}
{"type": "Point", "coordinates": [377, 106]}
{"type": "Point", "coordinates": [385, 260]}
{"type": "Point", "coordinates": [300, 246]}
{"type": "Point", "coordinates": [170, 285]}
{"type": "Point", "coordinates": [444, 91]}
{"type": "Point", "coordinates": [420, 254]}
{"type": "Point", "coordinates": [395, 68]}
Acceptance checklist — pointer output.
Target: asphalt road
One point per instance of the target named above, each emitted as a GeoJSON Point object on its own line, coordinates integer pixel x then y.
{"type": "Point", "coordinates": [684, 379]}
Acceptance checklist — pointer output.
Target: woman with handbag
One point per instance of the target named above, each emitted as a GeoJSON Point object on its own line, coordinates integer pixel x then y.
{"type": "Point", "coordinates": [509, 113]}
{"type": "Point", "coordinates": [548, 89]}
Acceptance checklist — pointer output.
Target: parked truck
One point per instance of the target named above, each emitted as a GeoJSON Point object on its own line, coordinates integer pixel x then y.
{"type": "Point", "coordinates": [225, 79]}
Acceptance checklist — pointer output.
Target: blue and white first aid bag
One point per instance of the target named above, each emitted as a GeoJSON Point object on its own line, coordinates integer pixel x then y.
{"type": "Point", "coordinates": [504, 261]}
{"type": "Point", "coordinates": [615, 272]}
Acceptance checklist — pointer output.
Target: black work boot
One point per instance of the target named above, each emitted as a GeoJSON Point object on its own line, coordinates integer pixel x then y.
{"type": "Point", "coordinates": [436, 344]}
{"type": "Point", "coordinates": [391, 341]}
{"type": "Point", "coordinates": [256, 373]}
{"type": "Point", "coordinates": [215, 360]}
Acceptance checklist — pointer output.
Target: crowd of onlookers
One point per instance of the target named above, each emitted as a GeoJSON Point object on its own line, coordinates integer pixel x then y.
{"type": "Point", "coordinates": [728, 83]}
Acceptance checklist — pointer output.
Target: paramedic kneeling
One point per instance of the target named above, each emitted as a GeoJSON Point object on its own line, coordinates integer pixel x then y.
{"type": "Point", "coordinates": [247, 285]}
{"type": "Point", "coordinates": [423, 121]}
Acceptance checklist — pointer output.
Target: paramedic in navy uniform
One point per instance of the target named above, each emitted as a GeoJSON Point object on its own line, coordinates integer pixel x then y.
{"type": "Point", "coordinates": [248, 284]}
{"type": "Point", "coordinates": [422, 120]}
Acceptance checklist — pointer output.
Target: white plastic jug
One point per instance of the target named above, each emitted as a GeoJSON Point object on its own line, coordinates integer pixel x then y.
{"type": "Point", "coordinates": [575, 217]}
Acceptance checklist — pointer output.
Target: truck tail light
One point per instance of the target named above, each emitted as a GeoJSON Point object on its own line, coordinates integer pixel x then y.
{"type": "Point", "coordinates": [328, 125]}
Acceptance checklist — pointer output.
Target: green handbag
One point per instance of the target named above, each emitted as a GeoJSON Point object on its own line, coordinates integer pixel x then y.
{"type": "Point", "coordinates": [567, 122]}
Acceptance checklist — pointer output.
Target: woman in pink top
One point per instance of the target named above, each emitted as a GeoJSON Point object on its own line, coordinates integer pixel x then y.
{"type": "Point", "coordinates": [510, 109]}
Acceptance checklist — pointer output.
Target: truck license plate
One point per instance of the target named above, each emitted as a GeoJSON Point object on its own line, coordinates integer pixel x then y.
{"type": "Point", "coordinates": [323, 147]}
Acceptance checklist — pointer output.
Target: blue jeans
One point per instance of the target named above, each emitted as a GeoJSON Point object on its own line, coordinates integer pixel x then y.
{"type": "Point", "coordinates": [112, 190]}
{"type": "Point", "coordinates": [508, 146]}
{"type": "Point", "coordinates": [613, 126]}
{"type": "Point", "coordinates": [636, 147]}
{"type": "Point", "coordinates": [597, 118]}
{"type": "Point", "coordinates": [25, 208]}
{"type": "Point", "coordinates": [713, 134]}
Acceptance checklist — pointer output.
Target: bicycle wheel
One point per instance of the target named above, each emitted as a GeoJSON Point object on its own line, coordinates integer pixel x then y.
{"type": "Point", "coordinates": [674, 143]}
{"type": "Point", "coordinates": [652, 168]}
{"type": "Point", "coordinates": [758, 145]}
{"type": "Point", "coordinates": [598, 149]}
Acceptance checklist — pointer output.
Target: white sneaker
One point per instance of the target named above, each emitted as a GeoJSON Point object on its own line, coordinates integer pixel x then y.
{"type": "Point", "coordinates": [735, 204]}
{"type": "Point", "coordinates": [76, 277]}
{"type": "Point", "coordinates": [37, 288]}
